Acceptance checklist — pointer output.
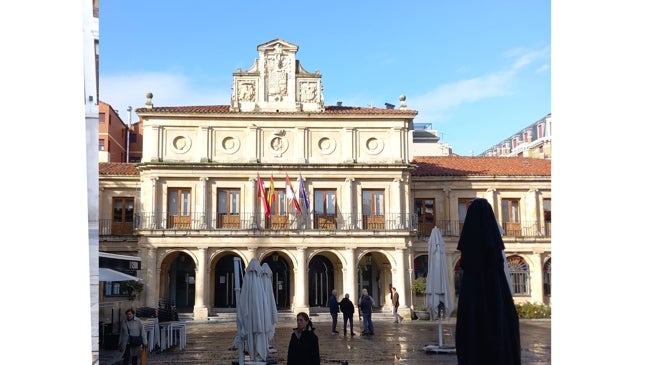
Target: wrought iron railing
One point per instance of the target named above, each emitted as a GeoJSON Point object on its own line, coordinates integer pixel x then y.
{"type": "Point", "coordinates": [258, 221]}
{"type": "Point", "coordinates": [312, 221]}
{"type": "Point", "coordinates": [453, 228]}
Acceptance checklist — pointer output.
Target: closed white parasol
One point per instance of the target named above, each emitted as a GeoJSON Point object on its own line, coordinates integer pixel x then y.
{"type": "Point", "coordinates": [438, 296]}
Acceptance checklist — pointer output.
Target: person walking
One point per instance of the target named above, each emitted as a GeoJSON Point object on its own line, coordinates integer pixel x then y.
{"type": "Point", "coordinates": [303, 346]}
{"type": "Point", "coordinates": [132, 328]}
{"type": "Point", "coordinates": [347, 308]}
{"type": "Point", "coordinates": [334, 311]}
{"type": "Point", "coordinates": [395, 298]}
{"type": "Point", "coordinates": [365, 307]}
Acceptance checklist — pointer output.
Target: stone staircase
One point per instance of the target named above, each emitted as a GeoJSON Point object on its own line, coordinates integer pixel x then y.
{"type": "Point", "coordinates": [317, 314]}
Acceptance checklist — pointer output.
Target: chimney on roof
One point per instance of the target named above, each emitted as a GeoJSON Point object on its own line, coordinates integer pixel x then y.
{"type": "Point", "coordinates": [389, 106]}
{"type": "Point", "coordinates": [149, 103]}
{"type": "Point", "coordinates": [339, 103]}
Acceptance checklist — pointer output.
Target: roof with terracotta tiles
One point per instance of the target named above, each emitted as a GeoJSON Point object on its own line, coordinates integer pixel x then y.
{"type": "Point", "coordinates": [115, 168]}
{"type": "Point", "coordinates": [426, 166]}
{"type": "Point", "coordinates": [480, 166]}
{"type": "Point", "coordinates": [210, 109]}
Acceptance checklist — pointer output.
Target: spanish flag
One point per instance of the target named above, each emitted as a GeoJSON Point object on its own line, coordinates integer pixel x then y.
{"type": "Point", "coordinates": [270, 197]}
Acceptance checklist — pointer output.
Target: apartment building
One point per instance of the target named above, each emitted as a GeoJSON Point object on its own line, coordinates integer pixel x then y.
{"type": "Point", "coordinates": [331, 197]}
{"type": "Point", "coordinates": [532, 141]}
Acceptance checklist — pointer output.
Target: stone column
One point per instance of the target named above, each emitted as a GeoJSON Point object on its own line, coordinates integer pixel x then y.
{"type": "Point", "coordinates": [200, 212]}
{"type": "Point", "coordinates": [536, 273]}
{"type": "Point", "coordinates": [396, 215]}
{"type": "Point", "coordinates": [346, 145]}
{"type": "Point", "coordinates": [398, 275]}
{"type": "Point", "coordinates": [349, 203]}
{"type": "Point", "coordinates": [301, 281]}
{"type": "Point", "coordinates": [250, 204]}
{"type": "Point", "coordinates": [205, 145]}
{"type": "Point", "coordinates": [299, 145]}
{"type": "Point", "coordinates": [151, 278]}
{"type": "Point", "coordinates": [350, 272]}
{"type": "Point", "coordinates": [447, 207]}
{"type": "Point", "coordinates": [200, 310]}
{"type": "Point", "coordinates": [530, 221]}
{"type": "Point", "coordinates": [155, 218]}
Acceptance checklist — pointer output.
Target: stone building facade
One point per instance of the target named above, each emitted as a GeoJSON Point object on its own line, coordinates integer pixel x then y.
{"type": "Point", "coordinates": [330, 197]}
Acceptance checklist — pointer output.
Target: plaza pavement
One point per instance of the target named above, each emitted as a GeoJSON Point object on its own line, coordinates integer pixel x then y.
{"type": "Point", "coordinates": [211, 342]}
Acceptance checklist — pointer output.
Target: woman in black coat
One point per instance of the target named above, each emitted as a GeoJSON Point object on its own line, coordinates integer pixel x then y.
{"type": "Point", "coordinates": [487, 325]}
{"type": "Point", "coordinates": [303, 347]}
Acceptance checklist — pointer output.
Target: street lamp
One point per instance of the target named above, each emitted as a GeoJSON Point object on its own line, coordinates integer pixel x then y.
{"type": "Point", "coordinates": [128, 134]}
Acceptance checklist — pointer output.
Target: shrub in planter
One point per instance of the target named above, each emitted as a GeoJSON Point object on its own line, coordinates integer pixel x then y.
{"type": "Point", "coordinates": [419, 285]}
{"type": "Point", "coordinates": [533, 310]}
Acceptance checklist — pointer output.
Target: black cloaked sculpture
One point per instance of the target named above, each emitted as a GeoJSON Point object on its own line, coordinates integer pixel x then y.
{"type": "Point", "coordinates": [487, 324]}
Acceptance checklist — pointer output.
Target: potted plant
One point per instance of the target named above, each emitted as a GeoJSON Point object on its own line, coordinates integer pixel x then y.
{"type": "Point", "coordinates": [422, 313]}
{"type": "Point", "coordinates": [418, 287]}
{"type": "Point", "coordinates": [134, 288]}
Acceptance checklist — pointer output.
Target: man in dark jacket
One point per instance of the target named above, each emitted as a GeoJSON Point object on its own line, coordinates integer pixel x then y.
{"type": "Point", "coordinates": [347, 308]}
{"type": "Point", "coordinates": [334, 311]}
{"type": "Point", "coordinates": [365, 307]}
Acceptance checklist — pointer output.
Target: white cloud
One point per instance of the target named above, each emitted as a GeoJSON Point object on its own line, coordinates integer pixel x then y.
{"type": "Point", "coordinates": [168, 89]}
{"type": "Point", "coordinates": [435, 104]}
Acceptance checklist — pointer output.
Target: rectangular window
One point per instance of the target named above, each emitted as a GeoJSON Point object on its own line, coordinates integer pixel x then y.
{"type": "Point", "coordinates": [510, 217]}
{"type": "Point", "coordinates": [519, 283]}
{"type": "Point", "coordinates": [325, 209]}
{"type": "Point", "coordinates": [178, 208]}
{"type": "Point", "coordinates": [373, 209]}
{"type": "Point", "coordinates": [101, 145]}
{"type": "Point", "coordinates": [228, 208]}
{"type": "Point", "coordinates": [279, 218]}
{"type": "Point", "coordinates": [463, 205]}
{"type": "Point", "coordinates": [123, 210]}
{"type": "Point", "coordinates": [115, 289]}
{"type": "Point", "coordinates": [426, 215]}
{"type": "Point", "coordinates": [102, 117]}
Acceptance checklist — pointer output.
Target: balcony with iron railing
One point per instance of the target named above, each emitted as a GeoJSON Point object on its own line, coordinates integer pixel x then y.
{"type": "Point", "coordinates": [453, 228]}
{"type": "Point", "coordinates": [247, 221]}
{"type": "Point", "coordinates": [391, 222]}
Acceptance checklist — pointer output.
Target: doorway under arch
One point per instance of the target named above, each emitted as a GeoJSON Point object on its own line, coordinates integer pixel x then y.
{"type": "Point", "coordinates": [179, 279]}
{"type": "Point", "coordinates": [321, 281]}
{"type": "Point", "coordinates": [281, 280]}
{"type": "Point", "coordinates": [224, 282]}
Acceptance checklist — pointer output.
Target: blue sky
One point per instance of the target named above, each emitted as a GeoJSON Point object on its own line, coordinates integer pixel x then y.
{"type": "Point", "coordinates": [478, 71]}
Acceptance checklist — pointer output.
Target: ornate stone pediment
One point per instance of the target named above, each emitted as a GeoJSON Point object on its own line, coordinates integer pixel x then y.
{"type": "Point", "coordinates": [277, 82]}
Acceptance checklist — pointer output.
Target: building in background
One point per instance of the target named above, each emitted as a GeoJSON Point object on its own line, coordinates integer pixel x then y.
{"type": "Point", "coordinates": [119, 140]}
{"type": "Point", "coordinates": [330, 197]}
{"type": "Point", "coordinates": [426, 142]}
{"type": "Point", "coordinates": [532, 141]}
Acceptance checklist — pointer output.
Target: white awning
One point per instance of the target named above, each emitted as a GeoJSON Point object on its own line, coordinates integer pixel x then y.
{"type": "Point", "coordinates": [120, 257]}
{"type": "Point", "coordinates": [113, 275]}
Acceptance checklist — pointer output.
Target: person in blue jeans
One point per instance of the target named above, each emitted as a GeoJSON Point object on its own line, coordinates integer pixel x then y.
{"type": "Point", "coordinates": [365, 307]}
{"type": "Point", "coordinates": [334, 311]}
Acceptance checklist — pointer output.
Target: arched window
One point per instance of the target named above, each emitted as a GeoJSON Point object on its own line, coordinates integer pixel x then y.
{"type": "Point", "coordinates": [458, 277]}
{"type": "Point", "coordinates": [547, 277]}
{"type": "Point", "coordinates": [420, 266]}
{"type": "Point", "coordinates": [519, 275]}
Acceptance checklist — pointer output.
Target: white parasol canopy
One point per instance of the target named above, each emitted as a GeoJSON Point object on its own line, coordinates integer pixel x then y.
{"type": "Point", "coordinates": [438, 296]}
{"type": "Point", "coordinates": [256, 311]}
{"type": "Point", "coordinates": [106, 274]}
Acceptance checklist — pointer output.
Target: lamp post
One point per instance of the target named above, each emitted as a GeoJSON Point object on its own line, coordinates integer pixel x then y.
{"type": "Point", "coordinates": [128, 134]}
